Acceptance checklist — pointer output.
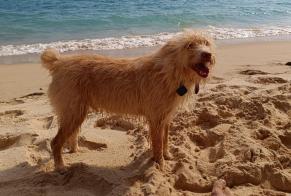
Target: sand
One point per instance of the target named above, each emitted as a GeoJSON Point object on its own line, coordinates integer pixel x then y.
{"type": "Point", "coordinates": [237, 128]}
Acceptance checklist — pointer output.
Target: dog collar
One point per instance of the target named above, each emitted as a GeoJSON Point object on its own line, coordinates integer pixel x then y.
{"type": "Point", "coordinates": [182, 90]}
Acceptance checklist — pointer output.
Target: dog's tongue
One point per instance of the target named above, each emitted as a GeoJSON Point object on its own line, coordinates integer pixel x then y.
{"type": "Point", "coordinates": [196, 88]}
{"type": "Point", "coordinates": [201, 69]}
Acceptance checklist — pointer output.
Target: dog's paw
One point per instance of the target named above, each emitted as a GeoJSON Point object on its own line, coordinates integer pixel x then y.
{"type": "Point", "coordinates": [167, 155]}
{"type": "Point", "coordinates": [73, 150]}
{"type": "Point", "coordinates": [160, 163]}
{"type": "Point", "coordinates": [61, 170]}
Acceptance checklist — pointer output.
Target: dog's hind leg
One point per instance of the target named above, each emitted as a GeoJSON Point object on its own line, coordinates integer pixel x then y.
{"type": "Point", "coordinates": [56, 145]}
{"type": "Point", "coordinates": [157, 136]}
{"type": "Point", "coordinates": [68, 124]}
{"type": "Point", "coordinates": [166, 152]}
{"type": "Point", "coordinates": [73, 141]}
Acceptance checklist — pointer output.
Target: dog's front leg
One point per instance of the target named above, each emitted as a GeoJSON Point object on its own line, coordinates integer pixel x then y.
{"type": "Point", "coordinates": [157, 136]}
{"type": "Point", "coordinates": [166, 152]}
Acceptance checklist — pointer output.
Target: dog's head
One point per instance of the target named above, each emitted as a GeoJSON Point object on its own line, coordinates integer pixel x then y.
{"type": "Point", "coordinates": [199, 54]}
{"type": "Point", "coordinates": [192, 52]}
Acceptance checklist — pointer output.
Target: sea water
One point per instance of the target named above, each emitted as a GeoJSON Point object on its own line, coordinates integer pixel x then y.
{"type": "Point", "coordinates": [30, 26]}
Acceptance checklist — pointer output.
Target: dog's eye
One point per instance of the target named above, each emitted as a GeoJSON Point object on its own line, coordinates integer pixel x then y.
{"type": "Point", "coordinates": [207, 43]}
{"type": "Point", "coordinates": [191, 46]}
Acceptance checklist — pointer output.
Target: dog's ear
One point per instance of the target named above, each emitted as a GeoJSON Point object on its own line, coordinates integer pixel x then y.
{"type": "Point", "coordinates": [169, 48]}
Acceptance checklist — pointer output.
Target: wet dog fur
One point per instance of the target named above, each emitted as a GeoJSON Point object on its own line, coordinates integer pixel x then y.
{"type": "Point", "coordinates": [143, 86]}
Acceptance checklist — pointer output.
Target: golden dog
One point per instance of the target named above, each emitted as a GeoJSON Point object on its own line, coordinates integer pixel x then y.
{"type": "Point", "coordinates": [151, 86]}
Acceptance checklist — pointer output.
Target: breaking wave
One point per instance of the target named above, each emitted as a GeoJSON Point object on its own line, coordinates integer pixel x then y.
{"type": "Point", "coordinates": [136, 41]}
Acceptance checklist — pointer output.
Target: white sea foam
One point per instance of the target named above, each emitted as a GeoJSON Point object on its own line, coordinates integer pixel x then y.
{"type": "Point", "coordinates": [240, 33]}
{"type": "Point", "coordinates": [139, 41]}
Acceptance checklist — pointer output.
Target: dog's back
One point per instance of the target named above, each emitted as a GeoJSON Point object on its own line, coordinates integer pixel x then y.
{"type": "Point", "coordinates": [98, 82]}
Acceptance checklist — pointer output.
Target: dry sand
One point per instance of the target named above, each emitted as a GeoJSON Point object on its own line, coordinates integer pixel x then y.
{"type": "Point", "coordinates": [238, 128]}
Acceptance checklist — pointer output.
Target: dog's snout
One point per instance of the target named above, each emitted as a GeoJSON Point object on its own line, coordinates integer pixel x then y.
{"type": "Point", "coordinates": [206, 56]}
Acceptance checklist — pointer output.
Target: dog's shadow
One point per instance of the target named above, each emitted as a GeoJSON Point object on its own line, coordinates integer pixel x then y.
{"type": "Point", "coordinates": [79, 179]}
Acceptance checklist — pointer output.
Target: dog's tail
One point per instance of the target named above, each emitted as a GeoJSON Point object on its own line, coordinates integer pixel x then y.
{"type": "Point", "coordinates": [48, 59]}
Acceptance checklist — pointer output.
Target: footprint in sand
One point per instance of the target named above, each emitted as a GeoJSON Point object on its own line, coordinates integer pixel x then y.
{"type": "Point", "coordinates": [91, 145]}
{"type": "Point", "coordinates": [35, 94]}
{"type": "Point", "coordinates": [262, 133]}
{"type": "Point", "coordinates": [281, 180]}
{"type": "Point", "coordinates": [270, 80]}
{"type": "Point", "coordinates": [250, 154]}
{"type": "Point", "coordinates": [216, 153]}
{"type": "Point", "coordinates": [44, 145]}
{"type": "Point", "coordinates": [216, 80]}
{"type": "Point", "coordinates": [79, 175]}
{"type": "Point", "coordinates": [284, 105]}
{"type": "Point", "coordinates": [237, 174]}
{"type": "Point", "coordinates": [253, 110]}
{"type": "Point", "coordinates": [115, 122]}
{"type": "Point", "coordinates": [206, 139]}
{"type": "Point", "coordinates": [286, 139]}
{"type": "Point", "coordinates": [208, 119]}
{"type": "Point", "coordinates": [15, 102]}
{"type": "Point", "coordinates": [79, 179]}
{"type": "Point", "coordinates": [7, 141]}
{"type": "Point", "coordinates": [47, 122]}
{"type": "Point", "coordinates": [11, 113]}
{"type": "Point", "coordinates": [263, 79]}
{"type": "Point", "coordinates": [253, 72]}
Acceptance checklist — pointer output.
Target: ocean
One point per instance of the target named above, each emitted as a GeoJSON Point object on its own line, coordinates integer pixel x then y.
{"type": "Point", "coordinates": [30, 26]}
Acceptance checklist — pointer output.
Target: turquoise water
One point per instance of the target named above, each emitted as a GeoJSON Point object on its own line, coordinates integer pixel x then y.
{"type": "Point", "coordinates": [26, 23]}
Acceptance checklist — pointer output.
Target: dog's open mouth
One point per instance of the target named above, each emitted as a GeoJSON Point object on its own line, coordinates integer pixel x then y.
{"type": "Point", "coordinates": [201, 69]}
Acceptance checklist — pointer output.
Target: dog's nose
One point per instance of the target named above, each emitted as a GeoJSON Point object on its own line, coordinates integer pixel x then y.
{"type": "Point", "coordinates": [206, 56]}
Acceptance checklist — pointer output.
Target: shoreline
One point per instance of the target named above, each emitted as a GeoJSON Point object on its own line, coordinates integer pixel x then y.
{"type": "Point", "coordinates": [24, 77]}
{"type": "Point", "coordinates": [131, 52]}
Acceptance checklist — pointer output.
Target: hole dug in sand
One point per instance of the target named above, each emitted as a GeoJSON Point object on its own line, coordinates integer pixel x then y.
{"type": "Point", "coordinates": [205, 139]}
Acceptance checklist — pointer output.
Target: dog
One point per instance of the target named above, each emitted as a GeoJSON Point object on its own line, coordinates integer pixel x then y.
{"type": "Point", "coordinates": [152, 86]}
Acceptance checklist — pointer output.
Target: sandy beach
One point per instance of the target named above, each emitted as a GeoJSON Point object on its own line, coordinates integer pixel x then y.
{"type": "Point", "coordinates": [237, 128]}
